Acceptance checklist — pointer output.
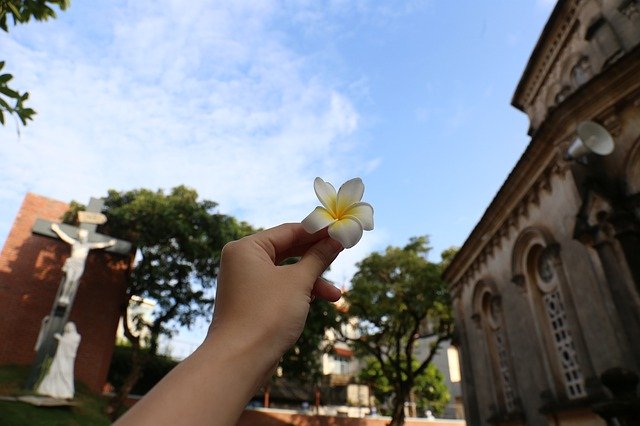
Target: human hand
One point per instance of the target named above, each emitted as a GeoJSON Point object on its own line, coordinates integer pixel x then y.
{"type": "Point", "coordinates": [259, 301]}
{"type": "Point", "coordinates": [260, 311]}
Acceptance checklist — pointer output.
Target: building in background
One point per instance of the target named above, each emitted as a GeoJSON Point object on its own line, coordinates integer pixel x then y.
{"type": "Point", "coordinates": [340, 369]}
{"type": "Point", "coordinates": [446, 360]}
{"type": "Point", "coordinates": [138, 308]}
{"type": "Point", "coordinates": [546, 289]}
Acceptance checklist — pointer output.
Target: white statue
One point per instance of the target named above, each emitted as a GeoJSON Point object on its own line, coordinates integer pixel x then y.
{"type": "Point", "coordinates": [58, 382]}
{"type": "Point", "coordinates": [74, 265]}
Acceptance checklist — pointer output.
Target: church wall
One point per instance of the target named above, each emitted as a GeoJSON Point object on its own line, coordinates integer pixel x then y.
{"type": "Point", "coordinates": [593, 321]}
{"type": "Point", "coordinates": [596, 311]}
{"type": "Point", "coordinates": [596, 325]}
{"type": "Point", "coordinates": [557, 254]}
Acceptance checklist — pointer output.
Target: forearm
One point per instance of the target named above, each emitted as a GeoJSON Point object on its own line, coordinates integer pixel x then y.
{"type": "Point", "coordinates": [212, 386]}
{"type": "Point", "coordinates": [259, 313]}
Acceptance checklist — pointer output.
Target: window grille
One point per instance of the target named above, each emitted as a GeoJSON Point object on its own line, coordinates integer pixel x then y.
{"type": "Point", "coordinates": [505, 375]}
{"type": "Point", "coordinates": [571, 374]}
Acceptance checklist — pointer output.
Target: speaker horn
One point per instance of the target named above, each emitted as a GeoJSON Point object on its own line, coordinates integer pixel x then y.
{"type": "Point", "coordinates": [592, 138]}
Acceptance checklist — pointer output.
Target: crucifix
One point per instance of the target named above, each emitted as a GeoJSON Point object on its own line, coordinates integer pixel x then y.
{"type": "Point", "coordinates": [82, 239]}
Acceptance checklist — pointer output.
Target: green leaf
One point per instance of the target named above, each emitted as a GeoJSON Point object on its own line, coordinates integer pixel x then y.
{"type": "Point", "coordinates": [5, 105]}
{"type": "Point", "coordinates": [8, 92]}
{"type": "Point", "coordinates": [4, 78]}
{"type": "Point", "coordinates": [15, 11]}
{"type": "Point", "coordinates": [1, 117]}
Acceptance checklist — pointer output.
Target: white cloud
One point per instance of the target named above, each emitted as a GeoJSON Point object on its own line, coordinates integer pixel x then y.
{"type": "Point", "coordinates": [209, 95]}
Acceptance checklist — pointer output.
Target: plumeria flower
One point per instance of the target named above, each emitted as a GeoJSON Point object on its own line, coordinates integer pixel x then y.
{"type": "Point", "coordinates": [345, 215]}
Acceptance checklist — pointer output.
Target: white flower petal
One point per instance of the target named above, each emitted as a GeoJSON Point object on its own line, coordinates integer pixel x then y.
{"type": "Point", "coordinates": [326, 194]}
{"type": "Point", "coordinates": [363, 212]}
{"type": "Point", "coordinates": [349, 193]}
{"type": "Point", "coordinates": [348, 231]}
{"type": "Point", "coordinates": [316, 220]}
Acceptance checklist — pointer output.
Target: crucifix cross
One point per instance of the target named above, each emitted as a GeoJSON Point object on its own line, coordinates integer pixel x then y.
{"type": "Point", "coordinates": [89, 221]}
{"type": "Point", "coordinates": [82, 239]}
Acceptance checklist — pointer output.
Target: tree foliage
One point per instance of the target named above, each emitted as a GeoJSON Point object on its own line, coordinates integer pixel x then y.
{"type": "Point", "coordinates": [429, 391]}
{"type": "Point", "coordinates": [21, 12]}
{"type": "Point", "coordinates": [302, 363]}
{"type": "Point", "coordinates": [152, 371]}
{"type": "Point", "coordinates": [177, 241]}
{"type": "Point", "coordinates": [398, 297]}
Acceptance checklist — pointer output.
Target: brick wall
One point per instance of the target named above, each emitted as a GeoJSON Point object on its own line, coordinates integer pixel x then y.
{"type": "Point", "coordinates": [30, 273]}
{"type": "Point", "coordinates": [267, 417]}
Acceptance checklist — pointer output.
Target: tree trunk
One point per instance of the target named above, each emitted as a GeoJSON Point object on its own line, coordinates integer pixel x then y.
{"type": "Point", "coordinates": [138, 358]}
{"type": "Point", "coordinates": [397, 418]}
{"type": "Point", "coordinates": [117, 402]}
{"type": "Point", "coordinates": [267, 392]}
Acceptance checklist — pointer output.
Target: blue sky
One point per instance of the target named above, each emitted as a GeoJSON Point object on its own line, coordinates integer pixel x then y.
{"type": "Point", "coordinates": [249, 101]}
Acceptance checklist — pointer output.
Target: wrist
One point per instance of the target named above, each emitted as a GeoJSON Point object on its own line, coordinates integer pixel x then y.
{"type": "Point", "coordinates": [211, 386]}
{"type": "Point", "coordinates": [251, 353]}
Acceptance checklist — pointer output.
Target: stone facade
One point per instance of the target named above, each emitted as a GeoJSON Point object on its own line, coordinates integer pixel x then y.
{"type": "Point", "coordinates": [546, 289]}
{"type": "Point", "coordinates": [30, 273]}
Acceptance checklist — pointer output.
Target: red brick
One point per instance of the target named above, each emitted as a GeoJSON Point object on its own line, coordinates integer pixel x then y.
{"type": "Point", "coordinates": [267, 417]}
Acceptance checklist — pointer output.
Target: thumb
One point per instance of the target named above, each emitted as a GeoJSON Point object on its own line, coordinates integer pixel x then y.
{"type": "Point", "coordinates": [318, 258]}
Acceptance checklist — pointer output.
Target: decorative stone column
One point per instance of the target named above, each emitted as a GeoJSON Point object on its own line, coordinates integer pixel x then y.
{"type": "Point", "coordinates": [614, 239]}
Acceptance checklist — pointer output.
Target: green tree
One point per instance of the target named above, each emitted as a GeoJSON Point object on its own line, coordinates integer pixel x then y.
{"type": "Point", "coordinates": [21, 12]}
{"type": "Point", "coordinates": [398, 297]}
{"type": "Point", "coordinates": [302, 363]}
{"type": "Point", "coordinates": [429, 391]}
{"type": "Point", "coordinates": [177, 241]}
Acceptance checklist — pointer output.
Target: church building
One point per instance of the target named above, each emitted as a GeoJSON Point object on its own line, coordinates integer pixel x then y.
{"type": "Point", "coordinates": [546, 288]}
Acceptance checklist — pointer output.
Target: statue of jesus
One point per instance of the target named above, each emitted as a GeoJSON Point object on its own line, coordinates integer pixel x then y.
{"type": "Point", "coordinates": [74, 265]}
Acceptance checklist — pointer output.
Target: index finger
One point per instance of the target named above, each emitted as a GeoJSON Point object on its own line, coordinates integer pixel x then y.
{"type": "Point", "coordinates": [285, 238]}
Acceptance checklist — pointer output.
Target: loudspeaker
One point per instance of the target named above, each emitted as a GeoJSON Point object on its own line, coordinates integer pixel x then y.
{"type": "Point", "coordinates": [592, 137]}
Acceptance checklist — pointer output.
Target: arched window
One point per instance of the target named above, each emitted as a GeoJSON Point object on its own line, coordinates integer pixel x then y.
{"type": "Point", "coordinates": [488, 312]}
{"type": "Point", "coordinates": [537, 260]}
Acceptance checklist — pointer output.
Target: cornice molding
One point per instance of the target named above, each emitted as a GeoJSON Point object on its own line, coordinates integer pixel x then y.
{"type": "Point", "coordinates": [542, 159]}
{"type": "Point", "coordinates": [553, 39]}
{"type": "Point", "coordinates": [557, 167]}
{"type": "Point", "coordinates": [552, 59]}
